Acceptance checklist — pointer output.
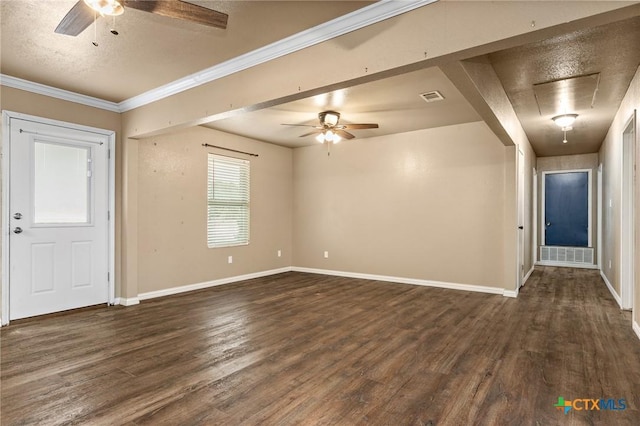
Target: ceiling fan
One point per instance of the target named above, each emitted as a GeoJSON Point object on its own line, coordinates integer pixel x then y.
{"type": "Point", "coordinates": [330, 131]}
{"type": "Point", "coordinates": [84, 12]}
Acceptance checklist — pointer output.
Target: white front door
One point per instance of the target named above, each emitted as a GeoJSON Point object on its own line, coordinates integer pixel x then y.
{"type": "Point", "coordinates": [58, 223]}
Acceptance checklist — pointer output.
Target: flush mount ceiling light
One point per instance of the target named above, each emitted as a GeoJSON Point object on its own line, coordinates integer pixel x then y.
{"type": "Point", "coordinates": [106, 7]}
{"type": "Point", "coordinates": [565, 120]}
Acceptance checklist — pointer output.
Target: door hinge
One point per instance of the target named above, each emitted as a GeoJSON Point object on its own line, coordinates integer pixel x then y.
{"type": "Point", "coordinates": [108, 214]}
{"type": "Point", "coordinates": [109, 153]}
{"type": "Point", "coordinates": [108, 276]}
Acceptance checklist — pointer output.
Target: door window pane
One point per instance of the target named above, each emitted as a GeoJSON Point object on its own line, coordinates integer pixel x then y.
{"type": "Point", "coordinates": [61, 183]}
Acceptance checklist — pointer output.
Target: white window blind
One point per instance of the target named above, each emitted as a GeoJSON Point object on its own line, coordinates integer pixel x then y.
{"type": "Point", "coordinates": [227, 202]}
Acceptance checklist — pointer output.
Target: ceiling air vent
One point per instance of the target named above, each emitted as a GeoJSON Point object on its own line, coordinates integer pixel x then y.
{"type": "Point", "coordinates": [432, 96]}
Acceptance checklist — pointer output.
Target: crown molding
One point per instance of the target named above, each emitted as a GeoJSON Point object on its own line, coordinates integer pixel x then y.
{"type": "Point", "coordinates": [368, 15]}
{"type": "Point", "coordinates": [53, 92]}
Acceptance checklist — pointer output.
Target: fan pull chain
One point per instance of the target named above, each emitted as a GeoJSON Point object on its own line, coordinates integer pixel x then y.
{"type": "Point", "coordinates": [113, 27]}
{"type": "Point", "coordinates": [95, 29]}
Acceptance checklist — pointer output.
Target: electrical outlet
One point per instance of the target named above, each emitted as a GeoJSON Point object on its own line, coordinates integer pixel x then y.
{"type": "Point", "coordinates": [326, 254]}
{"type": "Point", "coordinates": [230, 259]}
{"type": "Point", "coordinates": [279, 253]}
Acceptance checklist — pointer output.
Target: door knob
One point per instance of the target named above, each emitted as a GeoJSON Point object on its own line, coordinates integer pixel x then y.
{"type": "Point", "coordinates": [17, 230]}
{"type": "Point", "coordinates": [17, 216]}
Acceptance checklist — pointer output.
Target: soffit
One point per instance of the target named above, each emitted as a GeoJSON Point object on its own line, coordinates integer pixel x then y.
{"type": "Point", "coordinates": [394, 103]}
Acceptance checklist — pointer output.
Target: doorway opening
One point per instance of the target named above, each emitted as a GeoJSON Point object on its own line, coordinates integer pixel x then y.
{"type": "Point", "coordinates": [627, 223]}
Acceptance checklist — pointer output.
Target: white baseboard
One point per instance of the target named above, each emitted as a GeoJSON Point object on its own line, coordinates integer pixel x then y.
{"type": "Point", "coordinates": [636, 328]}
{"type": "Point", "coordinates": [131, 301]}
{"type": "Point", "coordinates": [207, 284]}
{"type": "Point", "coordinates": [514, 293]}
{"type": "Point", "coordinates": [413, 281]}
{"type": "Point", "coordinates": [526, 277]}
{"type": "Point", "coordinates": [567, 264]}
{"type": "Point", "coordinates": [510, 293]}
{"type": "Point", "coordinates": [611, 290]}
{"type": "Point", "coordinates": [229, 280]}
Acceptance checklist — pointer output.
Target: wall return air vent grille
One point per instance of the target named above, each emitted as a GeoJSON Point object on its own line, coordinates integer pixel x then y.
{"type": "Point", "coordinates": [582, 255]}
{"type": "Point", "coordinates": [432, 96]}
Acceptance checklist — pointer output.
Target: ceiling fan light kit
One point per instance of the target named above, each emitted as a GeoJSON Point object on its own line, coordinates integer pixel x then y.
{"type": "Point", "coordinates": [106, 7]}
{"type": "Point", "coordinates": [329, 130]}
{"type": "Point", "coordinates": [86, 12]}
{"type": "Point", "coordinates": [328, 136]}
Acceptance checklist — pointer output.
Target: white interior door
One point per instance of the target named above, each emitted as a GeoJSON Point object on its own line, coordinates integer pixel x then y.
{"type": "Point", "coordinates": [520, 195]}
{"type": "Point", "coordinates": [58, 218]}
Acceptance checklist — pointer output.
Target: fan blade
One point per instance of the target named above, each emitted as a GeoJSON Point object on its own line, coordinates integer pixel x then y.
{"type": "Point", "coordinates": [361, 126]}
{"type": "Point", "coordinates": [181, 10]}
{"type": "Point", "coordinates": [76, 20]}
{"type": "Point", "coordinates": [301, 125]}
{"type": "Point", "coordinates": [344, 135]}
{"type": "Point", "coordinates": [310, 133]}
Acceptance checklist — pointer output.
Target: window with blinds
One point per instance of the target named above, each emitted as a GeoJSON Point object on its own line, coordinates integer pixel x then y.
{"type": "Point", "coordinates": [227, 202]}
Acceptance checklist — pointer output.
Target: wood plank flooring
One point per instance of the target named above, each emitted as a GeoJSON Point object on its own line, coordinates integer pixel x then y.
{"type": "Point", "coordinates": [304, 349]}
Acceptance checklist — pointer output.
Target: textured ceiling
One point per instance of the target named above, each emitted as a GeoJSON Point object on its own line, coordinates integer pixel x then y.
{"type": "Point", "coordinates": [586, 72]}
{"type": "Point", "coordinates": [150, 50]}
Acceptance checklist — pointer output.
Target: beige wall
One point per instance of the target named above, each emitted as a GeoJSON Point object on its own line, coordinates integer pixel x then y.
{"type": "Point", "coordinates": [20, 101]}
{"type": "Point", "coordinates": [611, 159]}
{"type": "Point", "coordinates": [479, 83]}
{"type": "Point", "coordinates": [570, 162]}
{"type": "Point", "coordinates": [172, 210]}
{"type": "Point", "coordinates": [427, 204]}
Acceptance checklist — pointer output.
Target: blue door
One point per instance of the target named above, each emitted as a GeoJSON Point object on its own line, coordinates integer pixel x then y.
{"type": "Point", "coordinates": [566, 210]}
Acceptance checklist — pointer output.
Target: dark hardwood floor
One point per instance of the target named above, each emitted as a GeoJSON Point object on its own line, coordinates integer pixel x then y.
{"type": "Point", "coordinates": [307, 349]}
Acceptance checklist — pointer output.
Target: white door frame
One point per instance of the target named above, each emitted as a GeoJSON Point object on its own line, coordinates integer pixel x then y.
{"type": "Point", "coordinates": [520, 219]}
{"type": "Point", "coordinates": [600, 211]}
{"type": "Point", "coordinates": [627, 232]}
{"type": "Point", "coordinates": [6, 146]}
{"type": "Point", "coordinates": [534, 220]}
{"type": "Point", "coordinates": [543, 219]}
